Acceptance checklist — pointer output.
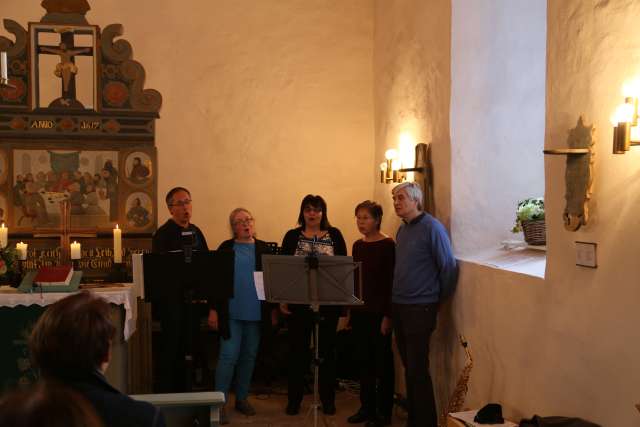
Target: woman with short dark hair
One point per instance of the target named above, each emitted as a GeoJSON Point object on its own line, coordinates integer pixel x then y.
{"type": "Point", "coordinates": [315, 235]}
{"type": "Point", "coordinates": [71, 344]}
{"type": "Point", "coordinates": [371, 323]}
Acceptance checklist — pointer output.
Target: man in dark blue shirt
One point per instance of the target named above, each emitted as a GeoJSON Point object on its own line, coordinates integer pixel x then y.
{"type": "Point", "coordinates": [425, 273]}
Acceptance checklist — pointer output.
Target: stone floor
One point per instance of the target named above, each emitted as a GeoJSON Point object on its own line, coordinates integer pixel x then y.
{"type": "Point", "coordinates": [270, 411]}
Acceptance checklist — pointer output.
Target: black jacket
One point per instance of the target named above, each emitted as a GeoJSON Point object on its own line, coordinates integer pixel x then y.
{"type": "Point", "coordinates": [222, 307]}
{"type": "Point", "coordinates": [168, 238]}
{"type": "Point", "coordinates": [116, 409]}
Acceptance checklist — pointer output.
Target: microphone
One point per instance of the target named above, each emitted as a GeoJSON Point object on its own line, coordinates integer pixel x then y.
{"type": "Point", "coordinates": [312, 258]}
{"type": "Point", "coordinates": [188, 239]}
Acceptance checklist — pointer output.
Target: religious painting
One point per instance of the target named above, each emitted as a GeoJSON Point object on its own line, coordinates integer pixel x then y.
{"type": "Point", "coordinates": [139, 210]}
{"type": "Point", "coordinates": [43, 178]}
{"type": "Point", "coordinates": [4, 167]}
{"type": "Point", "coordinates": [138, 168]}
{"type": "Point", "coordinates": [68, 57]}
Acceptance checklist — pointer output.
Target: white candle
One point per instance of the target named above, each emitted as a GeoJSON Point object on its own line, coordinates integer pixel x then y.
{"type": "Point", "coordinates": [117, 245]}
{"type": "Point", "coordinates": [3, 60]}
{"type": "Point", "coordinates": [21, 248]}
{"type": "Point", "coordinates": [4, 236]}
{"type": "Point", "coordinates": [75, 250]}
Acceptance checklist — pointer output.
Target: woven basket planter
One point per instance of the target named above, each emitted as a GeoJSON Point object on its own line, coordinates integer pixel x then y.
{"type": "Point", "coordinates": [535, 232]}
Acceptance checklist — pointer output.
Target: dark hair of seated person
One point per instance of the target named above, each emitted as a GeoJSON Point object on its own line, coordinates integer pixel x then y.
{"type": "Point", "coordinates": [47, 404]}
{"type": "Point", "coordinates": [72, 337]}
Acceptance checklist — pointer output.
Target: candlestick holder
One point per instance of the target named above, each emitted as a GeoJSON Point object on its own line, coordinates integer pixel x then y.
{"type": "Point", "coordinates": [118, 273]}
{"type": "Point", "coordinates": [75, 263]}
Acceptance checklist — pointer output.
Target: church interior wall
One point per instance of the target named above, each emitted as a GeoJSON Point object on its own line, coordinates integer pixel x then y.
{"type": "Point", "coordinates": [263, 103]}
{"type": "Point", "coordinates": [565, 345]}
{"type": "Point", "coordinates": [497, 116]}
{"type": "Point", "coordinates": [412, 83]}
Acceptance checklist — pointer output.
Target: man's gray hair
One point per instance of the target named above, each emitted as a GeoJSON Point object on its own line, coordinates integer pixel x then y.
{"type": "Point", "coordinates": [412, 189]}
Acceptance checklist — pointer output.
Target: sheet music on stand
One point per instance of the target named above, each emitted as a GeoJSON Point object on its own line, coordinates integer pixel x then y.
{"type": "Point", "coordinates": [315, 280]}
{"type": "Point", "coordinates": [287, 280]}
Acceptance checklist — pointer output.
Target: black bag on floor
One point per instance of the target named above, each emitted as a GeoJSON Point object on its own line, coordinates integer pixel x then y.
{"type": "Point", "coordinates": [538, 421]}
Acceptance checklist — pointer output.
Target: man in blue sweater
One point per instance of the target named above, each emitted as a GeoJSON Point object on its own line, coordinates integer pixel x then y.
{"type": "Point", "coordinates": [425, 273]}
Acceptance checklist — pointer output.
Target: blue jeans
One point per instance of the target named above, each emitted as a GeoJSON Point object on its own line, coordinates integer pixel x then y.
{"type": "Point", "coordinates": [238, 353]}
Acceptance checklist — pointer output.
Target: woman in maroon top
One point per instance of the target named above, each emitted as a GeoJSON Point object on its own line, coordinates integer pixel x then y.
{"type": "Point", "coordinates": [371, 323]}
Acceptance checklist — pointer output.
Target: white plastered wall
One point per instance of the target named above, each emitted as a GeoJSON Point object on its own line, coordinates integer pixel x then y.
{"type": "Point", "coordinates": [264, 102]}
{"type": "Point", "coordinates": [565, 345]}
{"type": "Point", "coordinates": [497, 116]}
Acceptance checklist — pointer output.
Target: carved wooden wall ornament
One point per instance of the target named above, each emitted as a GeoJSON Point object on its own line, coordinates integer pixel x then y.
{"type": "Point", "coordinates": [578, 174]}
{"type": "Point", "coordinates": [77, 124]}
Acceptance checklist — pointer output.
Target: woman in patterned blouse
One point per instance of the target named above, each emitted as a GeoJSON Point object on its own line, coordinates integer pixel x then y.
{"type": "Point", "coordinates": [315, 235]}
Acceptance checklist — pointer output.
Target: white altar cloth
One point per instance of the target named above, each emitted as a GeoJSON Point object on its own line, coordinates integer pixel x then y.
{"type": "Point", "coordinates": [10, 297]}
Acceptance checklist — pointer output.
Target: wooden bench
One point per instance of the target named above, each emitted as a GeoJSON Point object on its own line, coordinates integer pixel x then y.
{"type": "Point", "coordinates": [179, 409]}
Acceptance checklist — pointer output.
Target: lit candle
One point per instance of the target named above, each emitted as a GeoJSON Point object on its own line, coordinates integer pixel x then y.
{"type": "Point", "coordinates": [4, 236]}
{"type": "Point", "coordinates": [21, 248]}
{"type": "Point", "coordinates": [5, 73]}
{"type": "Point", "coordinates": [117, 245]}
{"type": "Point", "coordinates": [75, 250]}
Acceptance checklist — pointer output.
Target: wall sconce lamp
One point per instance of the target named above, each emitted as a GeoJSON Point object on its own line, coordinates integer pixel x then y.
{"type": "Point", "coordinates": [625, 120]}
{"type": "Point", "coordinates": [391, 170]}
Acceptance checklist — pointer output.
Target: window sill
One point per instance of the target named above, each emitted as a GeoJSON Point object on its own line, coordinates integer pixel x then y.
{"type": "Point", "coordinates": [527, 260]}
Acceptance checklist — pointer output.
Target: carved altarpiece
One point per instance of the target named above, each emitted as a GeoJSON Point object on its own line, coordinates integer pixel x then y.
{"type": "Point", "coordinates": [76, 125]}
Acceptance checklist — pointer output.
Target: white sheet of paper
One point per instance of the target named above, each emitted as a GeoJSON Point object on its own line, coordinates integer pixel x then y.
{"type": "Point", "coordinates": [258, 280]}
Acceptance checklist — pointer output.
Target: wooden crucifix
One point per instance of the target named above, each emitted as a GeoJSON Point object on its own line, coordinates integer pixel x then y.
{"type": "Point", "coordinates": [66, 69]}
{"type": "Point", "coordinates": [65, 232]}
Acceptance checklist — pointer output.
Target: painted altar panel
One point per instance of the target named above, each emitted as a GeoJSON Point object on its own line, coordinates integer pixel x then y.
{"type": "Point", "coordinates": [105, 187]}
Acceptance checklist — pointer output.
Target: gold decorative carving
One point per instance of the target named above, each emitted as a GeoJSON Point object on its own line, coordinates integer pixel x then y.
{"type": "Point", "coordinates": [118, 51]}
{"type": "Point", "coordinates": [142, 99]}
{"type": "Point", "coordinates": [132, 73]}
{"type": "Point", "coordinates": [17, 48]}
{"type": "Point", "coordinates": [579, 176]}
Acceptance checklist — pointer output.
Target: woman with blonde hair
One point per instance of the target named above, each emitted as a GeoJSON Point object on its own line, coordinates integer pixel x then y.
{"type": "Point", "coordinates": [239, 320]}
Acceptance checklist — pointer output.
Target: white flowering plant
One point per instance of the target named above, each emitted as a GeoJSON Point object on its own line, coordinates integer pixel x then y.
{"type": "Point", "coordinates": [530, 209]}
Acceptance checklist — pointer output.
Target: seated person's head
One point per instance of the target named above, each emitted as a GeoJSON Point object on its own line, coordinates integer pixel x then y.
{"type": "Point", "coordinates": [73, 337]}
{"type": "Point", "coordinates": [47, 404]}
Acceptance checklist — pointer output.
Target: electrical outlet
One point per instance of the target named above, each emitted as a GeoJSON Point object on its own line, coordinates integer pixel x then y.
{"type": "Point", "coordinates": [586, 254]}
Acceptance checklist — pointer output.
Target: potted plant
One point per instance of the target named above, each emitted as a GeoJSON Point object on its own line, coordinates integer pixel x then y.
{"type": "Point", "coordinates": [530, 219]}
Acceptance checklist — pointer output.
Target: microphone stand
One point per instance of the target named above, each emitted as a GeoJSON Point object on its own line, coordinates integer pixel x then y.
{"type": "Point", "coordinates": [312, 271]}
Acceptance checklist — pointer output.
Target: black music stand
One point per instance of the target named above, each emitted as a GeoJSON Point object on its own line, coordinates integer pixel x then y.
{"type": "Point", "coordinates": [174, 286]}
{"type": "Point", "coordinates": [313, 280]}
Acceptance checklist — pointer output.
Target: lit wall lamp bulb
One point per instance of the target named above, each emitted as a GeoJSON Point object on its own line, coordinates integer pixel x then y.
{"type": "Point", "coordinates": [624, 119]}
{"type": "Point", "coordinates": [390, 170]}
{"type": "Point", "coordinates": [383, 172]}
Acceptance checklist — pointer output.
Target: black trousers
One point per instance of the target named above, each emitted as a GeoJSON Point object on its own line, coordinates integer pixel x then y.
{"type": "Point", "coordinates": [375, 362]}
{"type": "Point", "coordinates": [300, 325]}
{"type": "Point", "coordinates": [413, 326]}
{"type": "Point", "coordinates": [172, 367]}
